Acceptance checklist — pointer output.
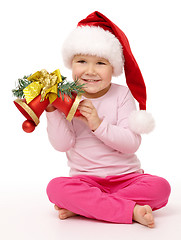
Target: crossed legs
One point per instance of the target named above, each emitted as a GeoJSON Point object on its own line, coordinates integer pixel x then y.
{"type": "Point", "coordinates": [119, 199]}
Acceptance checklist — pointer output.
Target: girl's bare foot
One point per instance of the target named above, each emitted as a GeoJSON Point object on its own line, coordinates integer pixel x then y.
{"type": "Point", "coordinates": [64, 213]}
{"type": "Point", "coordinates": [143, 215]}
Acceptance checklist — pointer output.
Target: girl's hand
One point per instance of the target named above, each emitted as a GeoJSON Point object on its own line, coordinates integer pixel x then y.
{"type": "Point", "coordinates": [89, 114]}
{"type": "Point", "coordinates": [50, 108]}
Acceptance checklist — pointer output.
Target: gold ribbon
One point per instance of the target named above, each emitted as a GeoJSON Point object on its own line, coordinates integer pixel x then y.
{"type": "Point", "coordinates": [43, 83]}
{"type": "Point", "coordinates": [74, 107]}
{"type": "Point", "coordinates": [28, 110]}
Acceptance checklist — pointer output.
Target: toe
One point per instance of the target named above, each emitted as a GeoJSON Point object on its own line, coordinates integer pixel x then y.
{"type": "Point", "coordinates": [151, 225]}
{"type": "Point", "coordinates": [62, 214]}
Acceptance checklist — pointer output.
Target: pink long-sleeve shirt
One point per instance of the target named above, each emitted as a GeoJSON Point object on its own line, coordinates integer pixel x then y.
{"type": "Point", "coordinates": [110, 149]}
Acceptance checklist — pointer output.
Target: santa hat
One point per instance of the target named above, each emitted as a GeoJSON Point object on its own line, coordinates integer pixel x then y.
{"type": "Point", "coordinates": [97, 35]}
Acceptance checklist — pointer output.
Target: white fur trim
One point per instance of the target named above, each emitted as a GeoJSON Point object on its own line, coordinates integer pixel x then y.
{"type": "Point", "coordinates": [141, 122]}
{"type": "Point", "coordinates": [94, 41]}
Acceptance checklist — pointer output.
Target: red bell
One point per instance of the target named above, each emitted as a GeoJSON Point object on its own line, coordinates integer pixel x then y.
{"type": "Point", "coordinates": [68, 105]}
{"type": "Point", "coordinates": [32, 112]}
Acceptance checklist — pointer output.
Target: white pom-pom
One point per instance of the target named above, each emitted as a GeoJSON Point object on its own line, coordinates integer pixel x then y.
{"type": "Point", "coordinates": [141, 122]}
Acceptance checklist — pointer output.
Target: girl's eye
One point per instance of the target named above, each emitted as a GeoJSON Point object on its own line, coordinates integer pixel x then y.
{"type": "Point", "coordinates": [101, 63]}
{"type": "Point", "coordinates": [81, 61]}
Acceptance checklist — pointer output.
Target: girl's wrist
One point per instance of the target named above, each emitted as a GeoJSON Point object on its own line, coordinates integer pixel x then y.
{"type": "Point", "coordinates": [97, 125]}
{"type": "Point", "coordinates": [50, 108]}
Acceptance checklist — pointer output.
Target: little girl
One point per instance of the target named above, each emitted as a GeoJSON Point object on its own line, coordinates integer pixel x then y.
{"type": "Point", "coordinates": [106, 180]}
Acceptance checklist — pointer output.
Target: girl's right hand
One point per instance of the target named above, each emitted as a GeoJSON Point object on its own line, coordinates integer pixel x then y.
{"type": "Point", "coordinates": [50, 108]}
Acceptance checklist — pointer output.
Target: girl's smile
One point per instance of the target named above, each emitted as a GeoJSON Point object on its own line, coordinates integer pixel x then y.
{"type": "Point", "coordinates": [89, 79]}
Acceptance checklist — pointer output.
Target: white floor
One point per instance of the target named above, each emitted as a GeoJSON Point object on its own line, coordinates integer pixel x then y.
{"type": "Point", "coordinates": [26, 213]}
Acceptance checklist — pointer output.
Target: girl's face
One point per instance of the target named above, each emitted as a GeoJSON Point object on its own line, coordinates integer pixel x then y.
{"type": "Point", "coordinates": [94, 72]}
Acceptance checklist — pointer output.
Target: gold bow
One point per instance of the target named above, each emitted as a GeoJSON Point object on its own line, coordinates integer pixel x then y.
{"type": "Point", "coordinates": [43, 83]}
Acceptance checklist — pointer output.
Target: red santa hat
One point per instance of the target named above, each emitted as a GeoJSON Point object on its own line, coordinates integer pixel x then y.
{"type": "Point", "coordinates": [98, 36]}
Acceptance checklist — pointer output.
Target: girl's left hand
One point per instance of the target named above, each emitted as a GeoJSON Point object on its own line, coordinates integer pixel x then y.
{"type": "Point", "coordinates": [89, 114]}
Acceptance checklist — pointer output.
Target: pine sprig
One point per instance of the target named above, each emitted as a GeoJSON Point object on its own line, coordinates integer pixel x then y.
{"type": "Point", "coordinates": [22, 83]}
{"type": "Point", "coordinates": [66, 89]}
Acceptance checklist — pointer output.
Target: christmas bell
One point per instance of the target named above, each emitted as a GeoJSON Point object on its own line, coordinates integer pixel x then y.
{"type": "Point", "coordinates": [68, 105]}
{"type": "Point", "coordinates": [32, 111]}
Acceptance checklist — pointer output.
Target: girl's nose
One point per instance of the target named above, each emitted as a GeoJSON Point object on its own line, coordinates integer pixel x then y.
{"type": "Point", "coordinates": [90, 69]}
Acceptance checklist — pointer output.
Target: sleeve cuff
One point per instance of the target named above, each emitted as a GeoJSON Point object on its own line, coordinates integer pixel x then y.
{"type": "Point", "coordinates": [101, 129]}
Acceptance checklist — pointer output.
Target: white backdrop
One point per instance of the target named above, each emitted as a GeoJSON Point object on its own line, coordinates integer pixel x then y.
{"type": "Point", "coordinates": [32, 33]}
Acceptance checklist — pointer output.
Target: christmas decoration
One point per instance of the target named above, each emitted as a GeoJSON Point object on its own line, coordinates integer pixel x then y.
{"type": "Point", "coordinates": [28, 126]}
{"type": "Point", "coordinates": [35, 92]}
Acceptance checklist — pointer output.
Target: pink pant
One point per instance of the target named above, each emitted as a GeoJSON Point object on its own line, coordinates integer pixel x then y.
{"type": "Point", "coordinates": [110, 199]}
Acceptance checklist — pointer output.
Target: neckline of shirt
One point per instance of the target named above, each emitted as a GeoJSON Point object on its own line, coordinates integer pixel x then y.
{"type": "Point", "coordinates": [98, 98]}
